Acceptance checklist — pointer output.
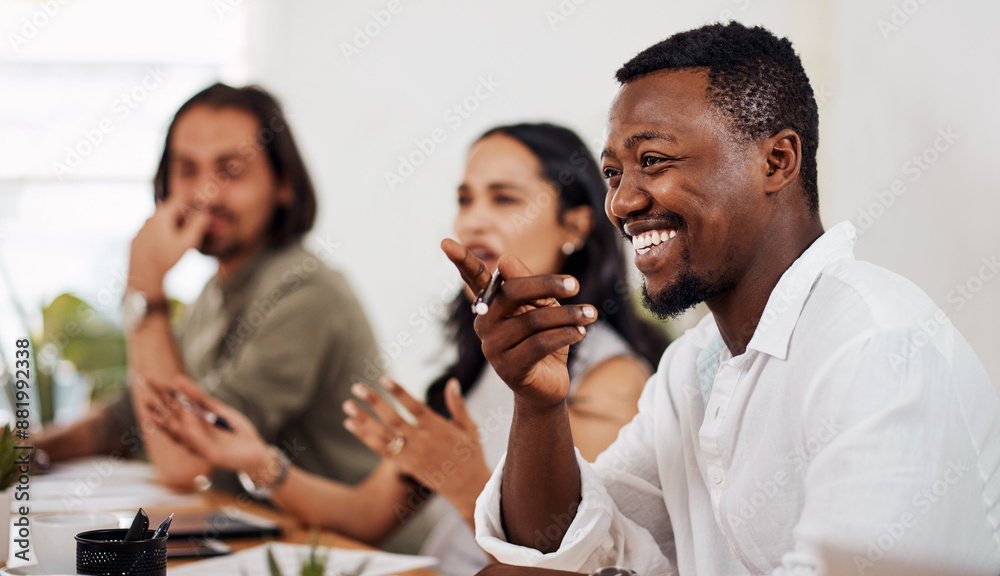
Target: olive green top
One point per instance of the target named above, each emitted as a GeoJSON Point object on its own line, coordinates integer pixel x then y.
{"type": "Point", "coordinates": [282, 341]}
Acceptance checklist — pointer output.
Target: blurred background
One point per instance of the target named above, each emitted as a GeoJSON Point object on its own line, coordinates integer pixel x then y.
{"type": "Point", "coordinates": [87, 89]}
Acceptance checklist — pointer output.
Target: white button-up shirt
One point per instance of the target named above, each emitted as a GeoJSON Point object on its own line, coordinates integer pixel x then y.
{"type": "Point", "coordinates": [858, 418]}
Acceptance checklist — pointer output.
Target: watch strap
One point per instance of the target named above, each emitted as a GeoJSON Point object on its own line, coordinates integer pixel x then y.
{"type": "Point", "coordinates": [264, 489]}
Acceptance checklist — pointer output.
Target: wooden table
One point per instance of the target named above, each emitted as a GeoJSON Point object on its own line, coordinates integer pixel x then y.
{"type": "Point", "coordinates": [292, 531]}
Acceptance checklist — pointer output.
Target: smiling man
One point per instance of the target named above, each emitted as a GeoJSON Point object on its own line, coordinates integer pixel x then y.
{"type": "Point", "coordinates": [824, 404]}
{"type": "Point", "coordinates": [275, 333]}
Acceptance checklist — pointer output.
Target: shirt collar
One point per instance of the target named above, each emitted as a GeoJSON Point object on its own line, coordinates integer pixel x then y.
{"type": "Point", "coordinates": [784, 306]}
{"type": "Point", "coordinates": [237, 284]}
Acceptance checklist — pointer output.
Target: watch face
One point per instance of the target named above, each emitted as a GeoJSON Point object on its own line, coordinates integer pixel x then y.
{"type": "Point", "coordinates": [252, 489]}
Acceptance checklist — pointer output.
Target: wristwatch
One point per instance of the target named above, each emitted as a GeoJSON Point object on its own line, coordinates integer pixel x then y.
{"type": "Point", "coordinates": [264, 490]}
{"type": "Point", "coordinates": [136, 308]}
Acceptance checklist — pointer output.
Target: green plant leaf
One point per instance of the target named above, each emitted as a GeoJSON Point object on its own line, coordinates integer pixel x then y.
{"type": "Point", "coordinates": [8, 458]}
{"type": "Point", "coordinates": [272, 565]}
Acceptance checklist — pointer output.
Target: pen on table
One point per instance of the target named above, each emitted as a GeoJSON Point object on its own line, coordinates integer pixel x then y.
{"type": "Point", "coordinates": [207, 415]}
{"type": "Point", "coordinates": [481, 305]}
{"type": "Point", "coordinates": [161, 530]}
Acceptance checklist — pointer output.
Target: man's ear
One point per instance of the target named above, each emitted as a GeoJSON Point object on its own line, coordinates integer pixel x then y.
{"type": "Point", "coordinates": [578, 221]}
{"type": "Point", "coordinates": [782, 160]}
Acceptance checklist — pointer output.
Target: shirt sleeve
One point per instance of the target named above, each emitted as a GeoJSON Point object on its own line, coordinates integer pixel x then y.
{"type": "Point", "coordinates": [904, 479]}
{"type": "Point", "coordinates": [621, 497]}
{"type": "Point", "coordinates": [279, 361]}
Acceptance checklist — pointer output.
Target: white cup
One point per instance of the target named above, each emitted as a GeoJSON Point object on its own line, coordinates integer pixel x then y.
{"type": "Point", "coordinates": [53, 537]}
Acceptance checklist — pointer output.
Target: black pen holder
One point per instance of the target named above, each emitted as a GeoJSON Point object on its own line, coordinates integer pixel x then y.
{"type": "Point", "coordinates": [103, 553]}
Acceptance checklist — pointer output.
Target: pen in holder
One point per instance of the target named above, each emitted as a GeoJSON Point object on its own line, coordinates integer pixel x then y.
{"type": "Point", "coordinates": [104, 553]}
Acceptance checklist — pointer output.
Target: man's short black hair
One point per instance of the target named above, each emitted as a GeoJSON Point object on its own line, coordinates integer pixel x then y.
{"type": "Point", "coordinates": [755, 79]}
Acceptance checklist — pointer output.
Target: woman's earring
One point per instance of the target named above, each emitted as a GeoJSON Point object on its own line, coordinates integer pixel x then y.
{"type": "Point", "coordinates": [568, 248]}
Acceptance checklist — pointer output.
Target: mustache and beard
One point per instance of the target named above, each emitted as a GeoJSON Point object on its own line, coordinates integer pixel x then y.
{"type": "Point", "coordinates": [218, 246]}
{"type": "Point", "coordinates": [690, 288]}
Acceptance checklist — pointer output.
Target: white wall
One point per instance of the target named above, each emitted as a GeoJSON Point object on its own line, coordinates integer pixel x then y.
{"type": "Point", "coordinates": [882, 100]}
{"type": "Point", "coordinates": [892, 96]}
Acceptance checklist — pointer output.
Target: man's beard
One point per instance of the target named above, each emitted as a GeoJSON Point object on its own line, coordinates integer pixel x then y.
{"type": "Point", "coordinates": [688, 290]}
{"type": "Point", "coordinates": [219, 249]}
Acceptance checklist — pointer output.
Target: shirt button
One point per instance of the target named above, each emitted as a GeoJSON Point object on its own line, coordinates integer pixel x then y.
{"type": "Point", "coordinates": [716, 476]}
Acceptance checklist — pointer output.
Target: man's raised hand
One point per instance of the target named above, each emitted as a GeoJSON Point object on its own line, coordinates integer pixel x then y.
{"type": "Point", "coordinates": [526, 334]}
{"type": "Point", "coordinates": [170, 232]}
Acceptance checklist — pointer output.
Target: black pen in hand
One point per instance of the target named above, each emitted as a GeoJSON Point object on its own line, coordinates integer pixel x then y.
{"type": "Point", "coordinates": [206, 415]}
{"type": "Point", "coordinates": [481, 305]}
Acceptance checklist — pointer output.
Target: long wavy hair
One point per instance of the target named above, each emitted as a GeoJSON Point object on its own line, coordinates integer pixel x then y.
{"type": "Point", "coordinates": [599, 264]}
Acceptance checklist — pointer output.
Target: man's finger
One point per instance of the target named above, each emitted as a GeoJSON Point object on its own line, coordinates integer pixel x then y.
{"type": "Point", "coordinates": [195, 433]}
{"type": "Point", "coordinates": [192, 391]}
{"type": "Point", "coordinates": [523, 326]}
{"type": "Point", "coordinates": [512, 267]}
{"type": "Point", "coordinates": [474, 272]}
{"type": "Point", "coordinates": [194, 227]}
{"type": "Point", "coordinates": [533, 289]}
{"type": "Point", "coordinates": [533, 349]}
{"type": "Point", "coordinates": [155, 395]}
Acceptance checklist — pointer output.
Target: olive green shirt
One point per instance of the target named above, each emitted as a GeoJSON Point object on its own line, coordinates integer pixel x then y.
{"type": "Point", "coordinates": [282, 341]}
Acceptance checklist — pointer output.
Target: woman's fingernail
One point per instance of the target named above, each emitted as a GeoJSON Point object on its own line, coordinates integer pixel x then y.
{"type": "Point", "coordinates": [589, 312]}
{"type": "Point", "coordinates": [360, 391]}
{"type": "Point", "coordinates": [350, 425]}
{"type": "Point", "coordinates": [350, 409]}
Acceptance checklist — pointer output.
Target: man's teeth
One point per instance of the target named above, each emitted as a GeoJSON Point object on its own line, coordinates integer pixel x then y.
{"type": "Point", "coordinates": [642, 242]}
